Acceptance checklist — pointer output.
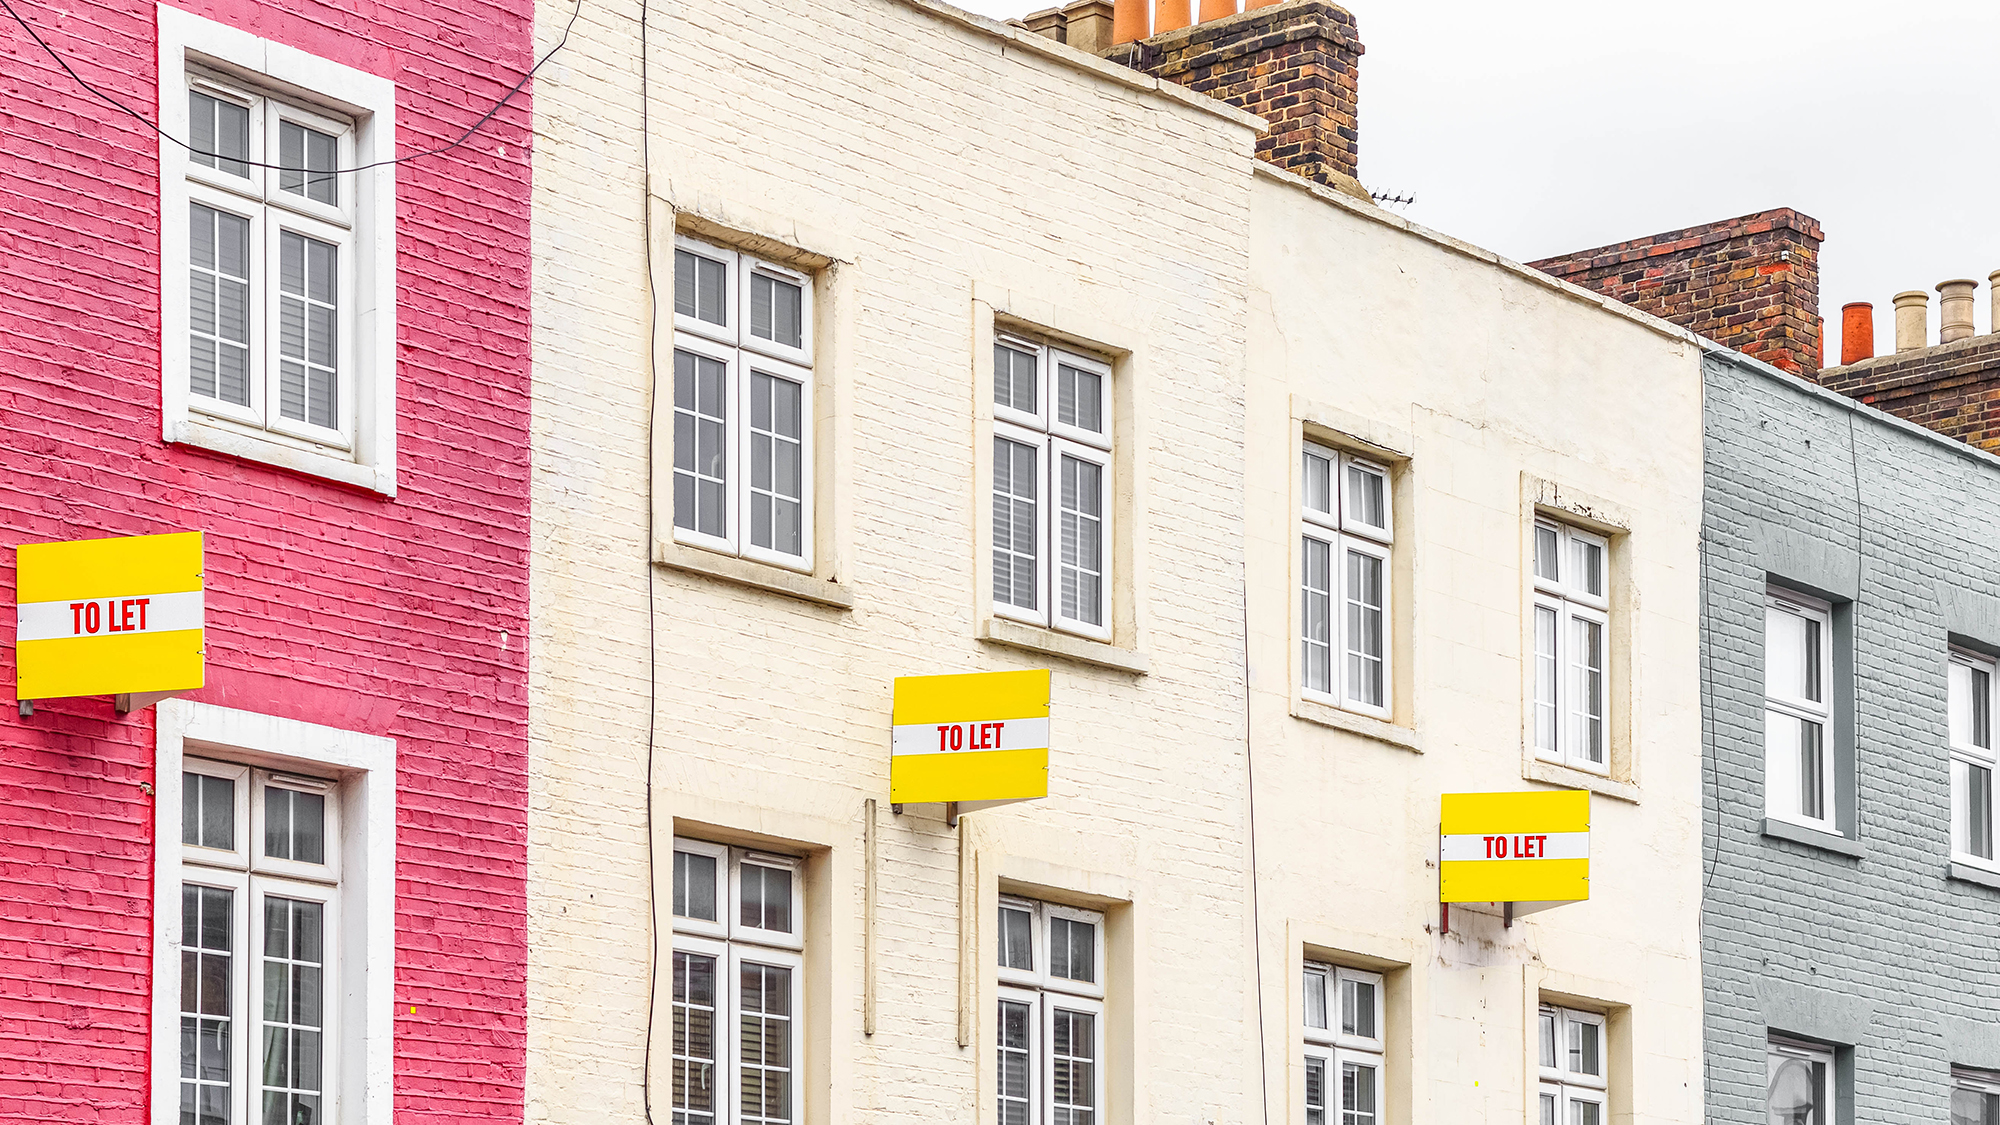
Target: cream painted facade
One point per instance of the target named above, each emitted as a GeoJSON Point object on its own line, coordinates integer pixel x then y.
{"type": "Point", "coordinates": [943, 180]}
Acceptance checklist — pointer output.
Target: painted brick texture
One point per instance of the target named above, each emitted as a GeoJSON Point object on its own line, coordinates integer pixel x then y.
{"type": "Point", "coordinates": [1951, 388]}
{"type": "Point", "coordinates": [1296, 65]}
{"type": "Point", "coordinates": [1805, 486]}
{"type": "Point", "coordinates": [401, 617]}
{"type": "Point", "coordinates": [1750, 283]}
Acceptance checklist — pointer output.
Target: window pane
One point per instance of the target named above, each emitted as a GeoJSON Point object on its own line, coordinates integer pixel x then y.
{"type": "Point", "coordinates": [701, 447]}
{"type": "Point", "coordinates": [219, 304]}
{"type": "Point", "coordinates": [767, 898]}
{"type": "Point", "coordinates": [1016, 939]}
{"type": "Point", "coordinates": [777, 310]}
{"type": "Point", "coordinates": [1367, 497]}
{"type": "Point", "coordinates": [208, 811]}
{"type": "Point", "coordinates": [765, 1043]}
{"type": "Point", "coordinates": [1011, 1073]}
{"type": "Point", "coordinates": [1072, 949]}
{"type": "Point", "coordinates": [1073, 1068]}
{"type": "Point", "coordinates": [207, 1023]}
{"type": "Point", "coordinates": [1014, 378]}
{"type": "Point", "coordinates": [777, 457]}
{"type": "Point", "coordinates": [694, 886]}
{"type": "Point", "coordinates": [1079, 398]}
{"type": "Point", "coordinates": [1016, 491]}
{"type": "Point", "coordinates": [1797, 1090]}
{"type": "Point", "coordinates": [1973, 815]}
{"type": "Point", "coordinates": [217, 131]}
{"type": "Point", "coordinates": [1583, 1048]}
{"type": "Point", "coordinates": [1357, 1094]}
{"type": "Point", "coordinates": [294, 1010]}
{"type": "Point", "coordinates": [1812, 770]}
{"type": "Point", "coordinates": [294, 825]}
{"type": "Point", "coordinates": [307, 328]}
{"type": "Point", "coordinates": [1357, 1008]}
{"type": "Point", "coordinates": [1365, 600]}
{"type": "Point", "coordinates": [307, 158]}
{"type": "Point", "coordinates": [1316, 1013]}
{"type": "Point", "coordinates": [1082, 517]}
{"type": "Point", "coordinates": [1549, 1110]}
{"type": "Point", "coordinates": [1546, 714]}
{"type": "Point", "coordinates": [1318, 483]}
{"type": "Point", "coordinates": [1315, 1091]}
{"type": "Point", "coordinates": [1586, 654]}
{"type": "Point", "coordinates": [1316, 616]}
{"type": "Point", "coordinates": [1982, 708]}
{"type": "Point", "coordinates": [1547, 1039]}
{"type": "Point", "coordinates": [1547, 561]}
{"type": "Point", "coordinates": [700, 285]}
{"type": "Point", "coordinates": [1792, 655]}
{"type": "Point", "coordinates": [693, 1062]}
{"type": "Point", "coordinates": [1587, 567]}
{"type": "Point", "coordinates": [1585, 1113]}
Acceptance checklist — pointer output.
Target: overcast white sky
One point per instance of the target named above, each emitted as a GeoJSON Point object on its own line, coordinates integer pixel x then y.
{"type": "Point", "coordinates": [1543, 126]}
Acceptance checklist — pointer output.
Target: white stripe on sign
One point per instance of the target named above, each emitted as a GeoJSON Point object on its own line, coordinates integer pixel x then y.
{"type": "Point", "coordinates": [947, 738]}
{"type": "Point", "coordinates": [1515, 845]}
{"type": "Point", "coordinates": [109, 617]}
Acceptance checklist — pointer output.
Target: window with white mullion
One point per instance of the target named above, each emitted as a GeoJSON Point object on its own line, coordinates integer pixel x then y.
{"type": "Point", "coordinates": [1052, 488]}
{"type": "Point", "coordinates": [1344, 559]}
{"type": "Point", "coordinates": [1975, 1097]}
{"type": "Point", "coordinates": [743, 406]}
{"type": "Point", "coordinates": [1049, 1035]}
{"type": "Point", "coordinates": [737, 990]}
{"type": "Point", "coordinates": [1798, 716]}
{"type": "Point", "coordinates": [1970, 699]}
{"type": "Point", "coordinates": [1570, 1050]}
{"type": "Point", "coordinates": [225, 304]}
{"type": "Point", "coordinates": [1344, 1052]}
{"type": "Point", "coordinates": [1570, 604]}
{"type": "Point", "coordinates": [310, 262]}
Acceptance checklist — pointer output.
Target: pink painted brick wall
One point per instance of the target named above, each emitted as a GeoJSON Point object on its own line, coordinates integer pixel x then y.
{"type": "Point", "coordinates": [401, 617]}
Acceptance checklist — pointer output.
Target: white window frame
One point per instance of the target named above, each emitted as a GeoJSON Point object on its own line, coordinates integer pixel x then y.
{"type": "Point", "coordinates": [743, 355]}
{"type": "Point", "coordinates": [359, 925]}
{"type": "Point", "coordinates": [1983, 1083]}
{"type": "Point", "coordinates": [1053, 441]}
{"type": "Point", "coordinates": [1966, 754]}
{"type": "Point", "coordinates": [1045, 993]}
{"type": "Point", "coordinates": [1779, 1048]}
{"type": "Point", "coordinates": [1566, 1086]}
{"type": "Point", "coordinates": [284, 83]}
{"type": "Point", "coordinates": [1567, 597]}
{"type": "Point", "coordinates": [1781, 779]}
{"type": "Point", "coordinates": [1336, 1049]}
{"type": "Point", "coordinates": [732, 944]}
{"type": "Point", "coordinates": [1342, 532]}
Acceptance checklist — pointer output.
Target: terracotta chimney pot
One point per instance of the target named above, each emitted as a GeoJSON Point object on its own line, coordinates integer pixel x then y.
{"type": "Point", "coordinates": [1912, 320]}
{"type": "Point", "coordinates": [1217, 9]}
{"type": "Point", "coordinates": [1955, 309]}
{"type": "Point", "coordinates": [1857, 332]}
{"type": "Point", "coordinates": [1129, 21]}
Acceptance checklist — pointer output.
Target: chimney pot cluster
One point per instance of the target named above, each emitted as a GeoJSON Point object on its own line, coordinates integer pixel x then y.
{"type": "Point", "coordinates": [1955, 299]}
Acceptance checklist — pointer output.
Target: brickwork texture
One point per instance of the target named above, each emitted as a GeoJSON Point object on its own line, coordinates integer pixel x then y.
{"type": "Point", "coordinates": [1750, 283]}
{"type": "Point", "coordinates": [1883, 954]}
{"type": "Point", "coordinates": [1951, 388]}
{"type": "Point", "coordinates": [401, 617]}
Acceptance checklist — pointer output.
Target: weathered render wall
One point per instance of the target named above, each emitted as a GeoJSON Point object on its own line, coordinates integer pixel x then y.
{"type": "Point", "coordinates": [941, 171]}
{"type": "Point", "coordinates": [1496, 394]}
{"type": "Point", "coordinates": [1869, 944]}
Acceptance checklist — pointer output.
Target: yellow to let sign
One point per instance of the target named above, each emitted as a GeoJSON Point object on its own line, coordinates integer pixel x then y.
{"type": "Point", "coordinates": [108, 616]}
{"type": "Point", "coordinates": [978, 737]}
{"type": "Point", "coordinates": [1514, 847]}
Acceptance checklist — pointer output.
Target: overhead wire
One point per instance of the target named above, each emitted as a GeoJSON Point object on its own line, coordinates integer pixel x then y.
{"type": "Point", "coordinates": [154, 126]}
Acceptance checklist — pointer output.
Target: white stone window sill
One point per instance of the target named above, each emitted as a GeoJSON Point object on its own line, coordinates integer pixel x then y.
{"type": "Point", "coordinates": [756, 575]}
{"type": "Point", "coordinates": [1336, 718]}
{"type": "Point", "coordinates": [1048, 642]}
{"type": "Point", "coordinates": [1812, 837]}
{"type": "Point", "coordinates": [1977, 873]}
{"type": "Point", "coordinates": [219, 437]}
{"type": "Point", "coordinates": [1541, 769]}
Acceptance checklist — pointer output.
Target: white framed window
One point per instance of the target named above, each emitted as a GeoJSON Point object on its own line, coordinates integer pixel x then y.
{"type": "Point", "coordinates": [1049, 1044]}
{"type": "Point", "coordinates": [1571, 606]}
{"type": "Point", "coordinates": [1800, 1090]}
{"type": "Point", "coordinates": [1570, 1057]}
{"type": "Point", "coordinates": [1975, 1097]}
{"type": "Point", "coordinates": [1798, 713]}
{"type": "Point", "coordinates": [1344, 542]}
{"type": "Point", "coordinates": [737, 986]}
{"type": "Point", "coordinates": [278, 272]}
{"type": "Point", "coordinates": [275, 944]}
{"type": "Point", "coordinates": [1970, 703]}
{"type": "Point", "coordinates": [1344, 1068]}
{"type": "Point", "coordinates": [743, 405]}
{"type": "Point", "coordinates": [1052, 487]}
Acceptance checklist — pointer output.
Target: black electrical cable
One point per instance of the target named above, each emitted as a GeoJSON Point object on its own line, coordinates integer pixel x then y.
{"type": "Point", "coordinates": [150, 124]}
{"type": "Point", "coordinates": [652, 622]}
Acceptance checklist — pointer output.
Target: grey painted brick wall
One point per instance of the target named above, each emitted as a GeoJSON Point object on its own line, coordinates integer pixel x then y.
{"type": "Point", "coordinates": [1882, 953]}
